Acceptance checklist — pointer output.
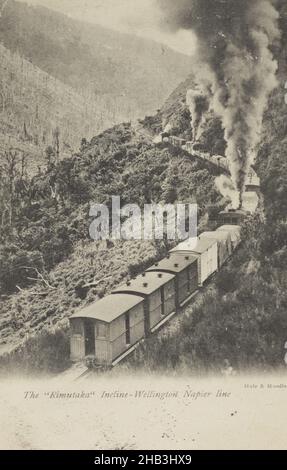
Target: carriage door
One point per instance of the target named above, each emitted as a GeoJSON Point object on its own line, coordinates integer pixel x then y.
{"type": "Point", "coordinates": [89, 337]}
{"type": "Point", "coordinates": [162, 295]}
{"type": "Point", "coordinates": [128, 329]}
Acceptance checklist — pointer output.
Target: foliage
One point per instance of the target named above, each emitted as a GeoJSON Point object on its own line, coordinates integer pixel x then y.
{"type": "Point", "coordinates": [44, 226]}
{"type": "Point", "coordinates": [46, 253]}
{"type": "Point", "coordinates": [48, 351]}
{"type": "Point", "coordinates": [242, 322]}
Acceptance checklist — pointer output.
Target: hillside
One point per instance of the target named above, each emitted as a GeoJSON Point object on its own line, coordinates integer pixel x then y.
{"type": "Point", "coordinates": [175, 115]}
{"type": "Point", "coordinates": [48, 238]}
{"type": "Point", "coordinates": [33, 104]}
{"type": "Point", "coordinates": [240, 322]}
{"type": "Point", "coordinates": [94, 59]}
{"type": "Point", "coordinates": [50, 267]}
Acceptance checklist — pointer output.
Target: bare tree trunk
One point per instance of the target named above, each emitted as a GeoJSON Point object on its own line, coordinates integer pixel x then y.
{"type": "Point", "coordinates": [3, 101]}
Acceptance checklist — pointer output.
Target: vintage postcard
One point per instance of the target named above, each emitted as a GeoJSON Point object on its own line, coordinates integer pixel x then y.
{"type": "Point", "coordinates": [143, 230]}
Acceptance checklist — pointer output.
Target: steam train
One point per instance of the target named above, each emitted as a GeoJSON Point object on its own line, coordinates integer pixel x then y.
{"type": "Point", "coordinates": [106, 331]}
{"type": "Point", "coordinates": [252, 182]}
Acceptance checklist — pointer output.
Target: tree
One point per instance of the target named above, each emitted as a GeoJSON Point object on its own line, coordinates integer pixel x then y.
{"type": "Point", "coordinates": [171, 184]}
{"type": "Point", "coordinates": [3, 97]}
{"type": "Point", "coordinates": [25, 131]}
{"type": "Point", "coordinates": [84, 144]}
{"type": "Point", "coordinates": [12, 167]}
{"type": "Point", "coordinates": [16, 267]}
{"type": "Point", "coordinates": [56, 139]}
{"type": "Point", "coordinates": [49, 153]}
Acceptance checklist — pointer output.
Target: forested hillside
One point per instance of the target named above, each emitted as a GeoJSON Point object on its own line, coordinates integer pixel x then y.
{"type": "Point", "coordinates": [50, 267]}
{"type": "Point", "coordinates": [63, 81]}
{"type": "Point", "coordinates": [34, 106]}
{"type": "Point", "coordinates": [46, 253]}
{"type": "Point", "coordinates": [240, 322]}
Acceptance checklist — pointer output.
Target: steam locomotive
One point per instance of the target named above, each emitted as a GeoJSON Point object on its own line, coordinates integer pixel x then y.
{"type": "Point", "coordinates": [106, 331]}
{"type": "Point", "coordinates": [252, 182]}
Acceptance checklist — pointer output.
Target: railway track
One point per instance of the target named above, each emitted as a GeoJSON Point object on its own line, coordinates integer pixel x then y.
{"type": "Point", "coordinates": [84, 370]}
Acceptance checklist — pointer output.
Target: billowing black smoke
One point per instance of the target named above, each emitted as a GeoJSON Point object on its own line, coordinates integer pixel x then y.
{"type": "Point", "coordinates": [198, 103]}
{"type": "Point", "coordinates": [234, 39]}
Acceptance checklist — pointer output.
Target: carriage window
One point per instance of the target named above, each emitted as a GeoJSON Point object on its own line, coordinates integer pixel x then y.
{"type": "Point", "coordinates": [101, 330]}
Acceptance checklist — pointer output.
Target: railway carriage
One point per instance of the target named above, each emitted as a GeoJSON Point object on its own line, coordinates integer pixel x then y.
{"type": "Point", "coordinates": [186, 275]}
{"type": "Point", "coordinates": [189, 147]}
{"type": "Point", "coordinates": [224, 244]}
{"type": "Point", "coordinates": [176, 141]}
{"type": "Point", "coordinates": [206, 156]}
{"type": "Point", "coordinates": [206, 252]}
{"type": "Point", "coordinates": [158, 290]}
{"type": "Point", "coordinates": [107, 328]}
{"type": "Point", "coordinates": [215, 159]}
{"type": "Point", "coordinates": [223, 163]}
{"type": "Point", "coordinates": [252, 181]}
{"type": "Point", "coordinates": [232, 217]}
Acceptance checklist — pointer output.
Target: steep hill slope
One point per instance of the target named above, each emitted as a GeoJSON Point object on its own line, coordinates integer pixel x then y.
{"type": "Point", "coordinates": [33, 105]}
{"type": "Point", "coordinates": [47, 256]}
{"type": "Point", "coordinates": [240, 323]}
{"type": "Point", "coordinates": [175, 115]}
{"type": "Point", "coordinates": [90, 57]}
{"type": "Point", "coordinates": [49, 236]}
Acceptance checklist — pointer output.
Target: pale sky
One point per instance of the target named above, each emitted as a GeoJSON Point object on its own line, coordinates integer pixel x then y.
{"type": "Point", "coordinates": [141, 17]}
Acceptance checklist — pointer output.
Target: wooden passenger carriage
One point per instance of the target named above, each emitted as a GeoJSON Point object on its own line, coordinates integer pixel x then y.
{"type": "Point", "coordinates": [206, 252]}
{"type": "Point", "coordinates": [186, 275]}
{"type": "Point", "coordinates": [159, 293]}
{"type": "Point", "coordinates": [107, 328]}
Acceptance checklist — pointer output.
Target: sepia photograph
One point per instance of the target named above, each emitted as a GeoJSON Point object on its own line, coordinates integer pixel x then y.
{"type": "Point", "coordinates": [143, 227]}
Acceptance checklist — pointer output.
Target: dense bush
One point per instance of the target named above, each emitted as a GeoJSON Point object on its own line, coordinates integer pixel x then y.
{"type": "Point", "coordinates": [51, 211]}
{"type": "Point", "coordinates": [48, 352]}
{"type": "Point", "coordinates": [243, 322]}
